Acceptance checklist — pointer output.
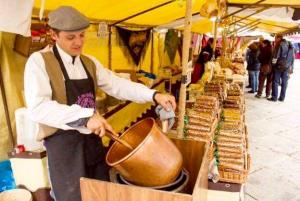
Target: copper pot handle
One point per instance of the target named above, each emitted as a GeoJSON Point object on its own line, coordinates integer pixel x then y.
{"type": "Point", "coordinates": [114, 136]}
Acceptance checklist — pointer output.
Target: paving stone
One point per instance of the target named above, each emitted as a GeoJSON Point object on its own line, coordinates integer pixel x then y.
{"type": "Point", "coordinates": [290, 169]}
{"type": "Point", "coordinates": [269, 185]}
{"type": "Point", "coordinates": [292, 134]}
{"type": "Point", "coordinates": [262, 157]}
{"type": "Point", "coordinates": [296, 199]}
{"type": "Point", "coordinates": [296, 156]}
{"type": "Point", "coordinates": [250, 198]}
{"type": "Point", "coordinates": [289, 120]}
{"type": "Point", "coordinates": [278, 144]}
{"type": "Point", "coordinates": [264, 127]}
{"type": "Point", "coordinates": [274, 138]}
{"type": "Point", "coordinates": [254, 132]}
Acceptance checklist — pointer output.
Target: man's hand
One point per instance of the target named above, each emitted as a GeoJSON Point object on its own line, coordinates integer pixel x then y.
{"type": "Point", "coordinates": [97, 124]}
{"type": "Point", "coordinates": [166, 101]}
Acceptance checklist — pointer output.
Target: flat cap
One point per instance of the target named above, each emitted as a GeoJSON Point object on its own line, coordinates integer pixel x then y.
{"type": "Point", "coordinates": [67, 18]}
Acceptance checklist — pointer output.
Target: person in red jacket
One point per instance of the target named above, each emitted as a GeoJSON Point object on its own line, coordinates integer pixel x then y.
{"type": "Point", "coordinates": [205, 56]}
{"type": "Point", "coordinates": [265, 73]}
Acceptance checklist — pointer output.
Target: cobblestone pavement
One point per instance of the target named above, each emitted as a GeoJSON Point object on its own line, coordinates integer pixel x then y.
{"type": "Point", "coordinates": [274, 136]}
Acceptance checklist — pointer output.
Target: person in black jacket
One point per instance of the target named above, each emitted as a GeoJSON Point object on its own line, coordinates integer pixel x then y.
{"type": "Point", "coordinates": [253, 66]}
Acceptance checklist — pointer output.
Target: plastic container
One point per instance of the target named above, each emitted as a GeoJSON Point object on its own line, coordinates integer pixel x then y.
{"type": "Point", "coordinates": [7, 181]}
{"type": "Point", "coordinates": [16, 195]}
{"type": "Point", "coordinates": [26, 131]}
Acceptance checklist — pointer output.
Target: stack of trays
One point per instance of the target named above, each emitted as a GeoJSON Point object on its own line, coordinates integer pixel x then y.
{"type": "Point", "coordinates": [217, 89]}
{"type": "Point", "coordinates": [231, 139]}
{"type": "Point", "coordinates": [202, 118]}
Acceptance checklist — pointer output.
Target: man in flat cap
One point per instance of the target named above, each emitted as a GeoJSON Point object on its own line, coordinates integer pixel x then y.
{"type": "Point", "coordinates": [60, 85]}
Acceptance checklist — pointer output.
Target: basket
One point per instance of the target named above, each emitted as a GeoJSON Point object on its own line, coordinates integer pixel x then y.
{"type": "Point", "coordinates": [234, 176]}
{"type": "Point", "coordinates": [210, 135]}
{"type": "Point", "coordinates": [246, 138]}
{"type": "Point", "coordinates": [201, 139]}
{"type": "Point", "coordinates": [211, 151]}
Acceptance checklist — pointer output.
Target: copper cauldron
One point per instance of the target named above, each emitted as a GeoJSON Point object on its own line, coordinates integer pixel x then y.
{"type": "Point", "coordinates": [154, 161]}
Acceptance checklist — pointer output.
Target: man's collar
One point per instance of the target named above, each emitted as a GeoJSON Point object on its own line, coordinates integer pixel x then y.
{"type": "Point", "coordinates": [65, 56]}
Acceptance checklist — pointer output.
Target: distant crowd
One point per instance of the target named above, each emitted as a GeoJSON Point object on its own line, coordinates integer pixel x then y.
{"type": "Point", "coordinates": [271, 63]}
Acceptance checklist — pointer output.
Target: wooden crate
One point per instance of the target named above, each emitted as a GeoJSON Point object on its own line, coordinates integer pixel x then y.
{"type": "Point", "coordinates": [26, 46]}
{"type": "Point", "coordinates": [195, 161]}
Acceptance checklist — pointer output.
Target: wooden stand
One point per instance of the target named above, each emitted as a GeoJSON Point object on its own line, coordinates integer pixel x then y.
{"type": "Point", "coordinates": [195, 162]}
{"type": "Point", "coordinates": [223, 191]}
{"type": "Point", "coordinates": [30, 172]}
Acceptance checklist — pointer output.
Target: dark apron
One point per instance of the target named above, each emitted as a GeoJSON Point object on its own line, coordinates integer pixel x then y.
{"type": "Point", "coordinates": [72, 155]}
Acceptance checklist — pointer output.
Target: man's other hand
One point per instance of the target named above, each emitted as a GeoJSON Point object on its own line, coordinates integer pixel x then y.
{"type": "Point", "coordinates": [167, 101]}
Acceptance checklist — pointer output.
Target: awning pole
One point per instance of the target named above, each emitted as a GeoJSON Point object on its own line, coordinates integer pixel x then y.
{"type": "Point", "coordinates": [245, 26]}
{"type": "Point", "coordinates": [215, 31]}
{"type": "Point", "coordinates": [185, 57]}
{"type": "Point", "coordinates": [109, 48]}
{"type": "Point", "coordinates": [152, 51]}
{"type": "Point", "coordinates": [3, 95]}
{"type": "Point", "coordinates": [248, 28]}
{"type": "Point", "coordinates": [262, 22]}
{"type": "Point", "coordinates": [242, 9]}
{"type": "Point", "coordinates": [246, 17]}
{"type": "Point", "coordinates": [224, 47]}
{"type": "Point", "coordinates": [142, 12]}
{"type": "Point", "coordinates": [251, 29]}
{"type": "Point", "coordinates": [291, 30]}
{"type": "Point", "coordinates": [266, 4]}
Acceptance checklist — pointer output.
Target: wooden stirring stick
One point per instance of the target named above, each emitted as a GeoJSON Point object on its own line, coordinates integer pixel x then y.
{"type": "Point", "coordinates": [115, 137]}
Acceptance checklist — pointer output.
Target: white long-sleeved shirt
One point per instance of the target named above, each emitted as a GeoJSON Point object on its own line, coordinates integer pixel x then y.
{"type": "Point", "coordinates": [38, 92]}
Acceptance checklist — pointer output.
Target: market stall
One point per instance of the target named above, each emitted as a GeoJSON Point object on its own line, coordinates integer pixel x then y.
{"type": "Point", "coordinates": [115, 113]}
{"type": "Point", "coordinates": [210, 130]}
